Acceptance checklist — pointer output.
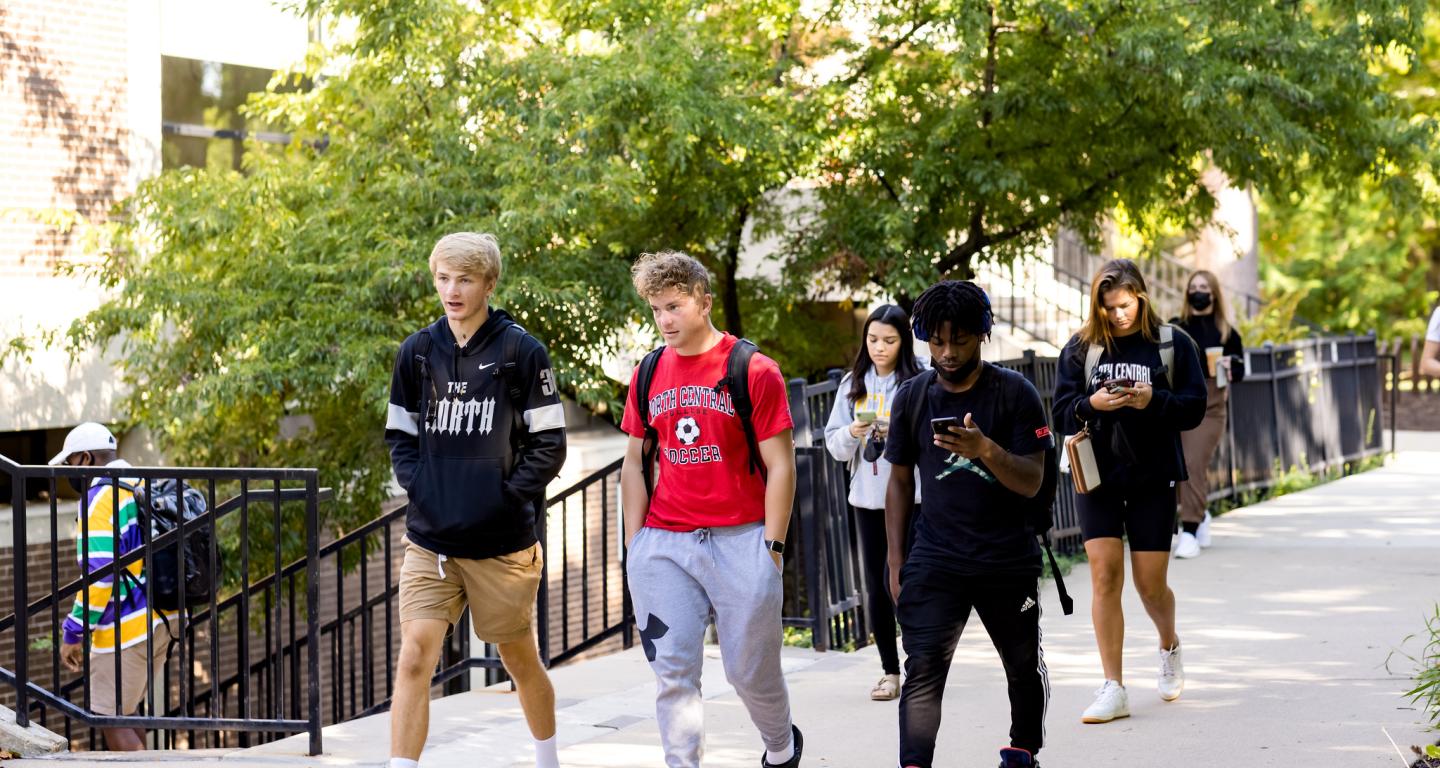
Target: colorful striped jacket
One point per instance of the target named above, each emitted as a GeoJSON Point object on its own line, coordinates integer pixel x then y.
{"type": "Point", "coordinates": [95, 549]}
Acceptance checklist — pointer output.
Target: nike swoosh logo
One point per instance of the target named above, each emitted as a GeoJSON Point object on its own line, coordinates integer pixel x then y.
{"type": "Point", "coordinates": [487, 365]}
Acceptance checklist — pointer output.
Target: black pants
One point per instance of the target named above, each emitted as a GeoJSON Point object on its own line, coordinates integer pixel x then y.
{"type": "Point", "coordinates": [933, 609]}
{"type": "Point", "coordinates": [878, 606]}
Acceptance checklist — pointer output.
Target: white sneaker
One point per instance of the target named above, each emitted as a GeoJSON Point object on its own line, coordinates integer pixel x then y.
{"type": "Point", "coordinates": [1188, 547]}
{"type": "Point", "coordinates": [1111, 702]}
{"type": "Point", "coordinates": [1203, 534]}
{"type": "Point", "coordinates": [1172, 673]}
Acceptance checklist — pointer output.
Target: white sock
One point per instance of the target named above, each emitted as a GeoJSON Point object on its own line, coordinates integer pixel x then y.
{"type": "Point", "coordinates": [546, 753]}
{"type": "Point", "coordinates": [403, 762]}
{"type": "Point", "coordinates": [776, 758]}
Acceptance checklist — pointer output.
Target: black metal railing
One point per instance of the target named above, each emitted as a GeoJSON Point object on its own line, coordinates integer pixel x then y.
{"type": "Point", "coordinates": [228, 672]}
{"type": "Point", "coordinates": [1312, 406]}
{"type": "Point", "coordinates": [1045, 295]}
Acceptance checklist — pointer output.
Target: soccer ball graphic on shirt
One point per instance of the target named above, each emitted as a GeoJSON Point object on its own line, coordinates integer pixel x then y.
{"type": "Point", "coordinates": [687, 430]}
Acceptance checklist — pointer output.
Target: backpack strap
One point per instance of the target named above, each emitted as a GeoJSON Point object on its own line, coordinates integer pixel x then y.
{"type": "Point", "coordinates": [509, 370]}
{"type": "Point", "coordinates": [737, 382]}
{"type": "Point", "coordinates": [919, 401]}
{"type": "Point", "coordinates": [650, 443]}
{"type": "Point", "coordinates": [1092, 361]}
{"type": "Point", "coordinates": [1167, 349]}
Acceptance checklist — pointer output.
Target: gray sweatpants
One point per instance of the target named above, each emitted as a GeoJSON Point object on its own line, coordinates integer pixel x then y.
{"type": "Point", "coordinates": [676, 580]}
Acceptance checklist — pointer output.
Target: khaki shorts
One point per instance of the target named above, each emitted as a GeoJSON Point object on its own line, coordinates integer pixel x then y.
{"type": "Point", "coordinates": [500, 591]}
{"type": "Point", "coordinates": [135, 674]}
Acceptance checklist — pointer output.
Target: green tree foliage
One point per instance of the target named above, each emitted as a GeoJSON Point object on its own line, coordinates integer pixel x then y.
{"type": "Point", "coordinates": [581, 133]}
{"type": "Point", "coordinates": [584, 132]}
{"type": "Point", "coordinates": [1356, 257]}
{"type": "Point", "coordinates": [972, 129]}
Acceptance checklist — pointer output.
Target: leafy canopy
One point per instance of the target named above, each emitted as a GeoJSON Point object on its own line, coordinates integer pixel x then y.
{"type": "Point", "coordinates": [915, 136]}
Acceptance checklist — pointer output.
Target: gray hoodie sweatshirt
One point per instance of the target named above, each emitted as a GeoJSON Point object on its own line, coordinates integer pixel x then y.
{"type": "Point", "coordinates": [868, 479]}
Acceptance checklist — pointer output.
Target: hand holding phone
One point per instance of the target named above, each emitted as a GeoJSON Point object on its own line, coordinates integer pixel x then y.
{"type": "Point", "coordinates": [943, 425]}
{"type": "Point", "coordinates": [1116, 386]}
{"type": "Point", "coordinates": [865, 417]}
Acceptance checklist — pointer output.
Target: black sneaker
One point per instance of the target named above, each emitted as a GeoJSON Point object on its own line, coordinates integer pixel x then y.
{"type": "Point", "coordinates": [1015, 757]}
{"type": "Point", "coordinates": [794, 761]}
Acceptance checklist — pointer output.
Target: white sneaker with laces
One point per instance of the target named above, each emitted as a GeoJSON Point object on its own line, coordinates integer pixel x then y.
{"type": "Point", "coordinates": [1202, 536]}
{"type": "Point", "coordinates": [1111, 702]}
{"type": "Point", "coordinates": [1172, 673]}
{"type": "Point", "coordinates": [1188, 547]}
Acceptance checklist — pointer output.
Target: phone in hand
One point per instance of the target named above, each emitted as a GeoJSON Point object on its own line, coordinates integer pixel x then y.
{"type": "Point", "coordinates": [866, 417]}
{"type": "Point", "coordinates": [1114, 386]}
{"type": "Point", "coordinates": [943, 425]}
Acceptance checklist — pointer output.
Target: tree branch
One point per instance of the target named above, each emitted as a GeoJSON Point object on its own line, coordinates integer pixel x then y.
{"type": "Point", "coordinates": [960, 255]}
{"type": "Point", "coordinates": [878, 56]}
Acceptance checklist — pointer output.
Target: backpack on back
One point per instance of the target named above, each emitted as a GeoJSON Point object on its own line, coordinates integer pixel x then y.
{"type": "Point", "coordinates": [1039, 510]}
{"type": "Point", "coordinates": [736, 380]}
{"type": "Point", "coordinates": [162, 512]}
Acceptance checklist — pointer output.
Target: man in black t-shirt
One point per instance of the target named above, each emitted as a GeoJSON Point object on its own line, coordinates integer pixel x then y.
{"type": "Point", "coordinates": [972, 549]}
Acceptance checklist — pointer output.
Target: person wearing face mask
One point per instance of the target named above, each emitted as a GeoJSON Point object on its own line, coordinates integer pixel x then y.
{"type": "Point", "coordinates": [855, 433]}
{"type": "Point", "coordinates": [116, 621]}
{"type": "Point", "coordinates": [977, 451]}
{"type": "Point", "coordinates": [1114, 380]}
{"type": "Point", "coordinates": [1205, 319]}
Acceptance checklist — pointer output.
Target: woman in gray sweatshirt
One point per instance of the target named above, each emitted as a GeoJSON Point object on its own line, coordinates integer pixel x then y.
{"type": "Point", "coordinates": [855, 433]}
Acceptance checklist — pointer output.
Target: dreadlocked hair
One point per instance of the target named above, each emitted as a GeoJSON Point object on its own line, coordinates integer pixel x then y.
{"type": "Point", "coordinates": [960, 303]}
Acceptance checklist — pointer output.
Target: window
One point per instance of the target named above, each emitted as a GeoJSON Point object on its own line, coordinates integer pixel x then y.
{"type": "Point", "coordinates": [200, 107]}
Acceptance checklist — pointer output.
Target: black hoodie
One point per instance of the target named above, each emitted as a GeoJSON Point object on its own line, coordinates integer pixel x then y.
{"type": "Point", "coordinates": [474, 463]}
{"type": "Point", "coordinates": [1134, 446]}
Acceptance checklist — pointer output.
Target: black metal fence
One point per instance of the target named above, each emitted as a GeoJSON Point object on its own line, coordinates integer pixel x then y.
{"type": "Point", "coordinates": [249, 665]}
{"type": "Point", "coordinates": [305, 644]}
{"type": "Point", "coordinates": [1311, 406]}
{"type": "Point", "coordinates": [244, 663]}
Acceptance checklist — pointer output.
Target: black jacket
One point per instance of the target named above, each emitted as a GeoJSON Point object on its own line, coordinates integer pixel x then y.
{"type": "Point", "coordinates": [1203, 330]}
{"type": "Point", "coordinates": [1134, 446]}
{"type": "Point", "coordinates": [474, 461]}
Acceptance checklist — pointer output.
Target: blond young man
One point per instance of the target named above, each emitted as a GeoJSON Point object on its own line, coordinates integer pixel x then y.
{"type": "Point", "coordinates": [708, 539]}
{"type": "Point", "coordinates": [476, 431]}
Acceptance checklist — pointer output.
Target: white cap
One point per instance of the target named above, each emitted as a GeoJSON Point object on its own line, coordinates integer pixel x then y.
{"type": "Point", "coordinates": [86, 437]}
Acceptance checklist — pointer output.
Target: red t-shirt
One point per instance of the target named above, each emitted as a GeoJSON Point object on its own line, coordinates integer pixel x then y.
{"type": "Point", "coordinates": [703, 476]}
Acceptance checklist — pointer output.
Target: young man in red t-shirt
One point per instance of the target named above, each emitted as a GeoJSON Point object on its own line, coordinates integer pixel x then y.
{"type": "Point", "coordinates": [709, 537]}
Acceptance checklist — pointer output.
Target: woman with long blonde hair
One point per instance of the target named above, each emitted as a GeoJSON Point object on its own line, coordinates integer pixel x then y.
{"type": "Point", "coordinates": [1205, 319]}
{"type": "Point", "coordinates": [1135, 384]}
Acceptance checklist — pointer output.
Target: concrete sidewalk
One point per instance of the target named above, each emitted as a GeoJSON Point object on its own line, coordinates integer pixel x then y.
{"type": "Point", "coordinates": [1287, 623]}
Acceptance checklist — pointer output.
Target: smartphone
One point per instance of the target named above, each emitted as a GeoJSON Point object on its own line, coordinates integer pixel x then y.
{"type": "Point", "coordinates": [1113, 386]}
{"type": "Point", "coordinates": [944, 424]}
{"type": "Point", "coordinates": [865, 417]}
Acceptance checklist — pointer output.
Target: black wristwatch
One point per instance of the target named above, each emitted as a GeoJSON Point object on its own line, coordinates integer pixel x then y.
{"type": "Point", "coordinates": [778, 547]}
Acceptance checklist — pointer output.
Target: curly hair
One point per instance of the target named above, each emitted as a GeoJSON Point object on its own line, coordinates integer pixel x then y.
{"type": "Point", "coordinates": [657, 272]}
{"type": "Point", "coordinates": [960, 303]}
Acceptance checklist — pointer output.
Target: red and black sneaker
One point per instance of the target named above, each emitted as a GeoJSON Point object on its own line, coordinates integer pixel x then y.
{"type": "Point", "coordinates": [1015, 757]}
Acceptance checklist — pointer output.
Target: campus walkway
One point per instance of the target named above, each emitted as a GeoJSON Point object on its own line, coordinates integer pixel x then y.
{"type": "Point", "coordinates": [1286, 622]}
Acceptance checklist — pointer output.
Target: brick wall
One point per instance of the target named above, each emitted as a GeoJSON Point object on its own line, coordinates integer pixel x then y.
{"type": "Point", "coordinates": [63, 123]}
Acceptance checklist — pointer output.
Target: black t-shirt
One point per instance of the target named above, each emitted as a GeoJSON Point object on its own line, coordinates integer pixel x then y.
{"type": "Point", "coordinates": [972, 525]}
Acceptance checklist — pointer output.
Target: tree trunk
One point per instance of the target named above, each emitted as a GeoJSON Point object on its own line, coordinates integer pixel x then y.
{"type": "Point", "coordinates": [731, 261]}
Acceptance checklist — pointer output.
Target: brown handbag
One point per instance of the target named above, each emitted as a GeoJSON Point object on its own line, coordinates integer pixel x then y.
{"type": "Point", "coordinates": [1084, 470]}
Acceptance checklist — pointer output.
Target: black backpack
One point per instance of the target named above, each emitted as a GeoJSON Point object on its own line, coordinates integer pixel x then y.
{"type": "Point", "coordinates": [736, 380]}
{"type": "Point", "coordinates": [1039, 509]}
{"type": "Point", "coordinates": [160, 512]}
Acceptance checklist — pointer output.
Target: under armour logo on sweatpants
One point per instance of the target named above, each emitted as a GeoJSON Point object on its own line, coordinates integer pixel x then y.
{"type": "Point", "coordinates": [652, 631]}
{"type": "Point", "coordinates": [1029, 603]}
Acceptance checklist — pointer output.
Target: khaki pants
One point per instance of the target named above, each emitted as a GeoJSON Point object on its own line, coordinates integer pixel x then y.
{"type": "Point", "coordinates": [138, 664]}
{"type": "Point", "coordinates": [1200, 444]}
